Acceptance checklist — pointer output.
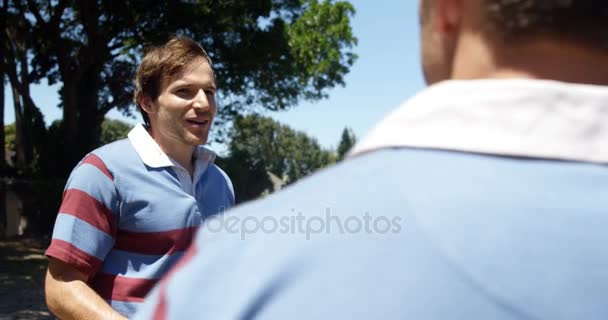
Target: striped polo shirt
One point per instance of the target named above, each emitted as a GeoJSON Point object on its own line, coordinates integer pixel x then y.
{"type": "Point", "coordinates": [483, 199]}
{"type": "Point", "coordinates": [129, 212]}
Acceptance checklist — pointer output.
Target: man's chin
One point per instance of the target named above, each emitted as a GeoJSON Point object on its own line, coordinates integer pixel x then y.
{"type": "Point", "coordinates": [197, 141]}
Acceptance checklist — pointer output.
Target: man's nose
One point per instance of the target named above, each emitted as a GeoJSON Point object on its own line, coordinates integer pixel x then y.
{"type": "Point", "coordinates": [200, 100]}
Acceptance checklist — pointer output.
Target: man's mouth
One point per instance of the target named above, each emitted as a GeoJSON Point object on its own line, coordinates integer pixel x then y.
{"type": "Point", "coordinates": [198, 122]}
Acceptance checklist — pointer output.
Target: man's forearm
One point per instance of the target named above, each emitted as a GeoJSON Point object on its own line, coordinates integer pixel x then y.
{"type": "Point", "coordinates": [69, 297]}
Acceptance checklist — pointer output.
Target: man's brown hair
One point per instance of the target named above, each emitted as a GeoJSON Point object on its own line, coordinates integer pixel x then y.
{"type": "Point", "coordinates": [581, 21]}
{"type": "Point", "coordinates": [162, 62]}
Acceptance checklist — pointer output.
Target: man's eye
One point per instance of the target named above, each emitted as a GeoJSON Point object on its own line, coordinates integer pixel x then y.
{"type": "Point", "coordinates": [183, 92]}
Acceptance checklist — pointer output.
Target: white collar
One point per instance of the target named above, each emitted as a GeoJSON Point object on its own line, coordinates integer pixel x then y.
{"type": "Point", "coordinates": [518, 117]}
{"type": "Point", "coordinates": [150, 153]}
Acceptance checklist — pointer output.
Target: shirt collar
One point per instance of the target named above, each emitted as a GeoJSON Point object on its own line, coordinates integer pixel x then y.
{"type": "Point", "coordinates": [150, 153]}
{"type": "Point", "coordinates": [528, 118]}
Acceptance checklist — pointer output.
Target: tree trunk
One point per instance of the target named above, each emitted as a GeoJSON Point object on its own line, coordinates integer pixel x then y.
{"type": "Point", "coordinates": [2, 136]}
{"type": "Point", "coordinates": [81, 123]}
{"type": "Point", "coordinates": [3, 166]}
{"type": "Point", "coordinates": [19, 150]}
{"type": "Point", "coordinates": [68, 155]}
{"type": "Point", "coordinates": [81, 115]}
{"type": "Point", "coordinates": [23, 128]}
{"type": "Point", "coordinates": [90, 117]}
{"type": "Point", "coordinates": [2, 153]}
{"type": "Point", "coordinates": [28, 112]}
{"type": "Point", "coordinates": [2, 79]}
{"type": "Point", "coordinates": [17, 69]}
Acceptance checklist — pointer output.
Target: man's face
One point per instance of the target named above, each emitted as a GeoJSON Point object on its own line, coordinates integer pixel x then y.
{"type": "Point", "coordinates": [183, 112]}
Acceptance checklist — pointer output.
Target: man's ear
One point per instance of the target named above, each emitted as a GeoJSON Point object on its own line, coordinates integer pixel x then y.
{"type": "Point", "coordinates": [448, 16]}
{"type": "Point", "coordinates": [146, 103]}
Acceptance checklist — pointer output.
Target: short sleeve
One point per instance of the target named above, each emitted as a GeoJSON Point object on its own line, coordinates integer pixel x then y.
{"type": "Point", "coordinates": [85, 229]}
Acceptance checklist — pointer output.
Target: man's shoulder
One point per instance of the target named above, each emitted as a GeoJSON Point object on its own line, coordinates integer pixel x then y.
{"type": "Point", "coordinates": [222, 173]}
{"type": "Point", "coordinates": [417, 224]}
{"type": "Point", "coordinates": [107, 159]}
{"type": "Point", "coordinates": [365, 178]}
{"type": "Point", "coordinates": [216, 170]}
{"type": "Point", "coordinates": [350, 190]}
{"type": "Point", "coordinates": [113, 149]}
{"type": "Point", "coordinates": [398, 184]}
{"type": "Point", "coordinates": [116, 153]}
{"type": "Point", "coordinates": [218, 179]}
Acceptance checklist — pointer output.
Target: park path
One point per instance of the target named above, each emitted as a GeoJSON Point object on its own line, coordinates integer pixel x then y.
{"type": "Point", "coordinates": [22, 268]}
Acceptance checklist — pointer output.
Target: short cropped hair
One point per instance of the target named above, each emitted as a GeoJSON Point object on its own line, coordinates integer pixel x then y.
{"type": "Point", "coordinates": [580, 21]}
{"type": "Point", "coordinates": [162, 62]}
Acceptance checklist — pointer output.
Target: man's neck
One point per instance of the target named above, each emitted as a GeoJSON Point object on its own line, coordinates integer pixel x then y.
{"type": "Point", "coordinates": [179, 152]}
{"type": "Point", "coordinates": [184, 159]}
{"type": "Point", "coordinates": [541, 59]}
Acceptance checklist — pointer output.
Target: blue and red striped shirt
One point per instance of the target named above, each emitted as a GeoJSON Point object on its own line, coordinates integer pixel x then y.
{"type": "Point", "coordinates": [126, 217]}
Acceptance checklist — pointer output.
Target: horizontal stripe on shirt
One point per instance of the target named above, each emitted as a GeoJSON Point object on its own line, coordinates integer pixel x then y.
{"type": "Point", "coordinates": [155, 243]}
{"type": "Point", "coordinates": [69, 254]}
{"type": "Point", "coordinates": [97, 163]}
{"type": "Point", "coordinates": [83, 206]}
{"type": "Point", "coordinates": [93, 182]}
{"type": "Point", "coordinates": [88, 238]}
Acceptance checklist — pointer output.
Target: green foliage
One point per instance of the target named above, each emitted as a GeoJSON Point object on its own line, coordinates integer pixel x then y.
{"type": "Point", "coordinates": [260, 146]}
{"type": "Point", "coordinates": [9, 137]}
{"type": "Point", "coordinates": [249, 178]}
{"type": "Point", "coordinates": [318, 40]}
{"type": "Point", "coordinates": [347, 141]}
{"type": "Point", "coordinates": [112, 130]}
{"type": "Point", "coordinates": [268, 54]}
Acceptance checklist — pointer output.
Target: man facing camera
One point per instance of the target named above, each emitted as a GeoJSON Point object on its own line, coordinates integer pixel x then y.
{"type": "Point", "coordinates": [131, 208]}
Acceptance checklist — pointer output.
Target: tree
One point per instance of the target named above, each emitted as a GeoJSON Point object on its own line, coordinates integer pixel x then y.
{"type": "Point", "coordinates": [16, 43]}
{"type": "Point", "coordinates": [260, 147]}
{"type": "Point", "coordinates": [347, 141]}
{"type": "Point", "coordinates": [3, 16]}
{"type": "Point", "coordinates": [268, 54]}
{"type": "Point", "coordinates": [9, 144]}
{"type": "Point", "coordinates": [2, 137]}
{"type": "Point", "coordinates": [112, 130]}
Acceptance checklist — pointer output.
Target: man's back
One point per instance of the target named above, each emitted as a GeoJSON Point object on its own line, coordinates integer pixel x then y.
{"type": "Point", "coordinates": [476, 233]}
{"type": "Point", "coordinates": [505, 222]}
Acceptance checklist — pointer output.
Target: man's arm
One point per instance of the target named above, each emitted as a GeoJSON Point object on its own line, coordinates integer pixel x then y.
{"type": "Point", "coordinates": [69, 297]}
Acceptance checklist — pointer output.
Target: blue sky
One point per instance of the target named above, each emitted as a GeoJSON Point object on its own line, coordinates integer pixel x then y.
{"type": "Point", "coordinates": [386, 73]}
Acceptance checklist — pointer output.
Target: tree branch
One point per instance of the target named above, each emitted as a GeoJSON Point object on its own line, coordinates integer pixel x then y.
{"type": "Point", "coordinates": [105, 108]}
{"type": "Point", "coordinates": [36, 12]}
{"type": "Point", "coordinates": [11, 72]}
{"type": "Point", "coordinates": [57, 13]}
{"type": "Point", "coordinates": [115, 46]}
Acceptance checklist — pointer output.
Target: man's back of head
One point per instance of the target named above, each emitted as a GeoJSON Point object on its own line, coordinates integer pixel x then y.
{"type": "Point", "coordinates": [547, 39]}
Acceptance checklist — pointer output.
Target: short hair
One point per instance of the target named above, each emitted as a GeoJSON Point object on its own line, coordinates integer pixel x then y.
{"type": "Point", "coordinates": [162, 62]}
{"type": "Point", "coordinates": [580, 21]}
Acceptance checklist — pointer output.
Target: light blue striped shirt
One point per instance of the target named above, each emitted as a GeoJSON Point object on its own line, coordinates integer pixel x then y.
{"type": "Point", "coordinates": [474, 200]}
